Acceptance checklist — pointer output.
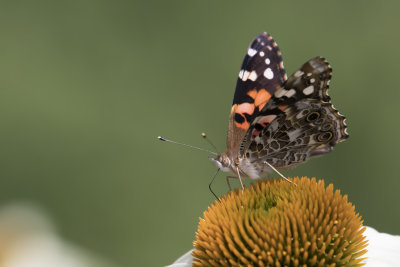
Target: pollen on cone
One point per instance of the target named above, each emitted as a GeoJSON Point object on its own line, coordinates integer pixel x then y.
{"type": "Point", "coordinates": [277, 224]}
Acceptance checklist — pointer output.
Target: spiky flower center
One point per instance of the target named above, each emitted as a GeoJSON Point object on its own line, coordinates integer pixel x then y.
{"type": "Point", "coordinates": [275, 223]}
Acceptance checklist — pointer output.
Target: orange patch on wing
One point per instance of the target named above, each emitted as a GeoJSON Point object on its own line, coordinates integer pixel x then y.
{"type": "Point", "coordinates": [283, 107]}
{"type": "Point", "coordinates": [242, 109]}
{"type": "Point", "coordinates": [262, 97]}
{"type": "Point", "coordinates": [252, 93]}
{"type": "Point", "coordinates": [245, 108]}
{"type": "Point", "coordinates": [244, 125]}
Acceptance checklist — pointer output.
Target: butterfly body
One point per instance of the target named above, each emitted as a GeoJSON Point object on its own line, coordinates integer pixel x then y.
{"type": "Point", "coordinates": [254, 170]}
{"type": "Point", "coordinates": [277, 120]}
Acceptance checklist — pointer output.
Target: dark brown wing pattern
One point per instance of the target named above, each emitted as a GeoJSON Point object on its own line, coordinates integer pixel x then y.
{"type": "Point", "coordinates": [298, 122]}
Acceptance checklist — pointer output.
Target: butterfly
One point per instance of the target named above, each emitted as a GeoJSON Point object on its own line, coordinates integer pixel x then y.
{"type": "Point", "coordinates": [278, 122]}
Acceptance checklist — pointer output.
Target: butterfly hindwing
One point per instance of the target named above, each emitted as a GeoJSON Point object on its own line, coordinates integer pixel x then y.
{"type": "Point", "coordinates": [307, 128]}
{"type": "Point", "coordinates": [260, 75]}
{"type": "Point", "coordinates": [309, 81]}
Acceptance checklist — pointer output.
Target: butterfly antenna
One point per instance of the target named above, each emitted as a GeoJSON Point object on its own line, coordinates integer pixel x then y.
{"type": "Point", "coordinates": [280, 174]}
{"type": "Point", "coordinates": [194, 147]}
{"type": "Point", "coordinates": [209, 141]}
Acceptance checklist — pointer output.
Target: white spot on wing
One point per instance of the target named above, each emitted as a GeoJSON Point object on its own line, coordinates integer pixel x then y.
{"type": "Point", "coordinates": [312, 80]}
{"type": "Point", "coordinates": [245, 76]}
{"type": "Point", "coordinates": [241, 74]}
{"type": "Point", "coordinates": [253, 76]}
{"type": "Point", "coordinates": [298, 73]}
{"type": "Point", "coordinates": [262, 54]}
{"type": "Point", "coordinates": [268, 74]}
{"type": "Point", "coordinates": [308, 90]}
{"type": "Point", "coordinates": [290, 93]}
{"type": "Point", "coordinates": [281, 92]}
{"type": "Point", "coordinates": [267, 61]}
{"type": "Point", "coordinates": [299, 115]}
{"type": "Point", "coordinates": [251, 52]}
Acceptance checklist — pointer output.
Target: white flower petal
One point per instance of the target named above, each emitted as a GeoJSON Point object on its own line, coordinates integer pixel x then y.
{"type": "Point", "coordinates": [383, 249]}
{"type": "Point", "coordinates": [185, 261]}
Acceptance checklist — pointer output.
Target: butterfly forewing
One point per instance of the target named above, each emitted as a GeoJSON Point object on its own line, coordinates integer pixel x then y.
{"type": "Point", "coordinates": [260, 75]}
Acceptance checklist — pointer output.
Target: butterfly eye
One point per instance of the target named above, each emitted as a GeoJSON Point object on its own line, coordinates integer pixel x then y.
{"type": "Point", "coordinates": [312, 116]}
{"type": "Point", "coordinates": [325, 137]}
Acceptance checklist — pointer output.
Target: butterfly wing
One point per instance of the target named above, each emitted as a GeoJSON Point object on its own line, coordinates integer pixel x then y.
{"type": "Point", "coordinates": [260, 75]}
{"type": "Point", "coordinates": [310, 81]}
{"type": "Point", "coordinates": [298, 122]}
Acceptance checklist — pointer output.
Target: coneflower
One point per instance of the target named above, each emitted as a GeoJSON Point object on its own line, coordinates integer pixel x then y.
{"type": "Point", "coordinates": [275, 223]}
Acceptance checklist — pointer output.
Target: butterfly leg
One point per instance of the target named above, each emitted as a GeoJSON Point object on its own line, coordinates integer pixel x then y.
{"type": "Point", "coordinates": [229, 184]}
{"type": "Point", "coordinates": [227, 181]}
{"type": "Point", "coordinates": [240, 179]}
{"type": "Point", "coordinates": [280, 174]}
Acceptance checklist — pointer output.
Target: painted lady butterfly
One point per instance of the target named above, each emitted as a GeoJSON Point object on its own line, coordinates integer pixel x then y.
{"type": "Point", "coordinates": [275, 121]}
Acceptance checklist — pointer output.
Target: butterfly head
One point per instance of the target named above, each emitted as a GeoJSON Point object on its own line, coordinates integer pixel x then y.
{"type": "Point", "coordinates": [223, 162]}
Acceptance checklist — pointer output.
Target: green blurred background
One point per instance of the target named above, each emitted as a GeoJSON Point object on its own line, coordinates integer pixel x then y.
{"type": "Point", "coordinates": [87, 86]}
